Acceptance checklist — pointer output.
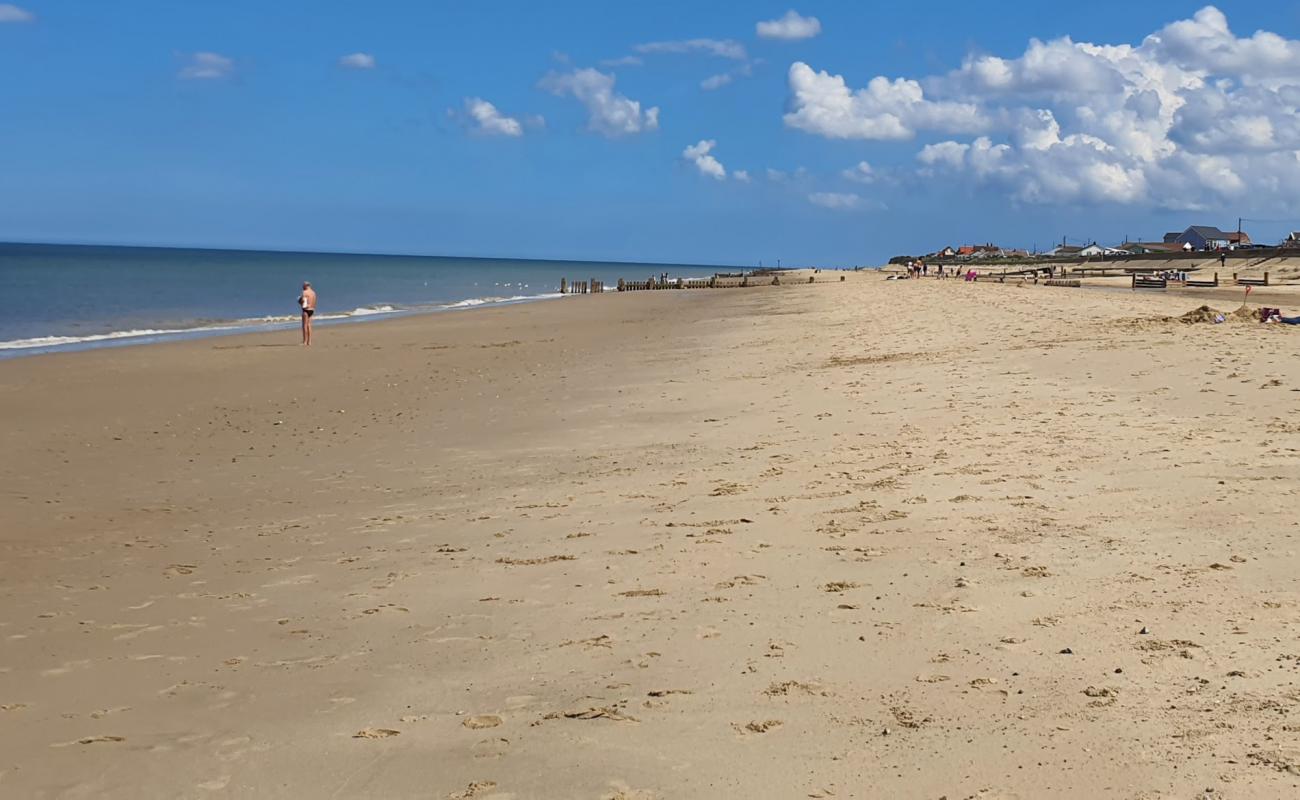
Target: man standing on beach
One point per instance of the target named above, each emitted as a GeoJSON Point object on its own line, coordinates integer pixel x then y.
{"type": "Point", "coordinates": [308, 302]}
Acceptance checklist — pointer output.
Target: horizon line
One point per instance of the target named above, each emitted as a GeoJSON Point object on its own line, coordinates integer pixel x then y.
{"type": "Point", "coordinates": [294, 251]}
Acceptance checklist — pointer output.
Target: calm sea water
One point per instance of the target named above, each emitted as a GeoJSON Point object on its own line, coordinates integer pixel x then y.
{"type": "Point", "coordinates": [55, 297]}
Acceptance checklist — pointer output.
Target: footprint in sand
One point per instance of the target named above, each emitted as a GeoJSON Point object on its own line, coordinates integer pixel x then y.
{"type": "Point", "coordinates": [642, 593]}
{"type": "Point", "coordinates": [840, 586]}
{"type": "Point", "coordinates": [757, 727]}
{"type": "Point", "coordinates": [375, 733]}
{"type": "Point", "coordinates": [491, 748]}
{"type": "Point", "coordinates": [481, 721]}
{"type": "Point", "coordinates": [91, 740]}
{"type": "Point", "coordinates": [518, 701]}
{"type": "Point", "coordinates": [787, 688]}
{"type": "Point", "coordinates": [474, 789]}
{"type": "Point", "coordinates": [622, 791]}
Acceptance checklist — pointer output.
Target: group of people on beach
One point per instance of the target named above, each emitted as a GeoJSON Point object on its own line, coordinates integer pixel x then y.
{"type": "Point", "coordinates": [920, 269]}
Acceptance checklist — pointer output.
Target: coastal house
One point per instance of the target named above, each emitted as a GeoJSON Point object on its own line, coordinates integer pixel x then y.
{"type": "Point", "coordinates": [1207, 237]}
{"type": "Point", "coordinates": [1093, 249]}
{"type": "Point", "coordinates": [1144, 248]}
{"type": "Point", "coordinates": [969, 252]}
{"type": "Point", "coordinates": [1293, 240]}
{"type": "Point", "coordinates": [1065, 250]}
{"type": "Point", "coordinates": [946, 252]}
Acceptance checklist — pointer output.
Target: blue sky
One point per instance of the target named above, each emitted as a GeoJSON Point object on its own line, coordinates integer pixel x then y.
{"type": "Point", "coordinates": [585, 129]}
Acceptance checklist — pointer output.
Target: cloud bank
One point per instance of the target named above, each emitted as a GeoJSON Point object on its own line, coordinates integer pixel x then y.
{"type": "Point", "coordinates": [1192, 111]}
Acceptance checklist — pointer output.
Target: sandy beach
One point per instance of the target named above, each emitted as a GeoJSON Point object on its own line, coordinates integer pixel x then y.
{"type": "Point", "coordinates": [912, 539]}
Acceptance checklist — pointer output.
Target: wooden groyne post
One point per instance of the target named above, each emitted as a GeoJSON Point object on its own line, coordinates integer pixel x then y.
{"type": "Point", "coordinates": [1148, 282]}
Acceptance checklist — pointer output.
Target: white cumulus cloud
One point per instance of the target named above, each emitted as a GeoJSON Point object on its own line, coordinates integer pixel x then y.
{"type": "Point", "coordinates": [741, 175]}
{"type": "Point", "coordinates": [839, 201]}
{"type": "Point", "coordinates": [357, 61]}
{"type": "Point", "coordinates": [792, 26]}
{"type": "Point", "coordinates": [609, 113]}
{"type": "Point", "coordinates": [952, 154]}
{"type": "Point", "coordinates": [1193, 112]}
{"type": "Point", "coordinates": [489, 121]}
{"type": "Point", "coordinates": [206, 66]}
{"type": "Point", "coordinates": [699, 154]}
{"type": "Point", "coordinates": [823, 104]}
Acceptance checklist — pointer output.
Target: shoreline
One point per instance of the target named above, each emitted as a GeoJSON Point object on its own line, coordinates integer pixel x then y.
{"type": "Point", "coordinates": [142, 295]}
{"type": "Point", "coordinates": [45, 345]}
{"type": "Point", "coordinates": [831, 536]}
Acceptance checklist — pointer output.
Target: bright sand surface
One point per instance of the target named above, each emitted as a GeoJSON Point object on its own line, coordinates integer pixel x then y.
{"type": "Point", "coordinates": [859, 539]}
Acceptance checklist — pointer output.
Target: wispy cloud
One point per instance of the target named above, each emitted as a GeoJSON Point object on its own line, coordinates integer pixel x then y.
{"type": "Point", "coordinates": [717, 81]}
{"type": "Point", "coordinates": [623, 61]}
{"type": "Point", "coordinates": [723, 48]}
{"type": "Point", "coordinates": [726, 78]}
{"type": "Point", "coordinates": [12, 13]}
{"type": "Point", "coordinates": [838, 201]}
{"type": "Point", "coordinates": [790, 27]}
{"type": "Point", "coordinates": [741, 175]}
{"type": "Point", "coordinates": [207, 66]}
{"type": "Point", "coordinates": [489, 121]}
{"type": "Point", "coordinates": [357, 61]}
{"type": "Point", "coordinates": [860, 172]}
{"type": "Point", "coordinates": [699, 154]}
{"type": "Point", "coordinates": [608, 113]}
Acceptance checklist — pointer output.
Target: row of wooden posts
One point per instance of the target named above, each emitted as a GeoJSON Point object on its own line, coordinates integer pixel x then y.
{"type": "Point", "coordinates": [581, 287]}
{"type": "Point", "coordinates": [713, 282]}
{"type": "Point", "coordinates": [1157, 282]}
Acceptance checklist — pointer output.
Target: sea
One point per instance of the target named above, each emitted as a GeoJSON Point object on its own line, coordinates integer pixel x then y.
{"type": "Point", "coordinates": [60, 297]}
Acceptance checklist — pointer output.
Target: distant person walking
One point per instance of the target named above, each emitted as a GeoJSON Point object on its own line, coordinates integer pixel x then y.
{"type": "Point", "coordinates": [307, 301]}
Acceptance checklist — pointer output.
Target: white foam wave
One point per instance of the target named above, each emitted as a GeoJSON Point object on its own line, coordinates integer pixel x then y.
{"type": "Point", "coordinates": [55, 341]}
{"type": "Point", "coordinates": [484, 301]}
{"type": "Point", "coordinates": [366, 311]}
{"type": "Point", "coordinates": [243, 324]}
